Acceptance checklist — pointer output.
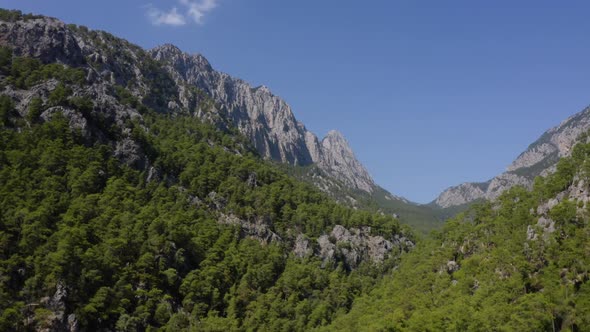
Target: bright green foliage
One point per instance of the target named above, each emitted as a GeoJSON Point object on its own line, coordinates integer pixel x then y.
{"type": "Point", "coordinates": [135, 255]}
{"type": "Point", "coordinates": [502, 280]}
{"type": "Point", "coordinates": [15, 15]}
{"type": "Point", "coordinates": [128, 254]}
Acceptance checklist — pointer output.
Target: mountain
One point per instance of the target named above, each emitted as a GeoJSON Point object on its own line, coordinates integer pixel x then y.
{"type": "Point", "coordinates": [539, 158]}
{"type": "Point", "coordinates": [266, 119]}
{"type": "Point", "coordinates": [142, 190]}
{"type": "Point", "coordinates": [168, 80]}
{"type": "Point", "coordinates": [269, 123]}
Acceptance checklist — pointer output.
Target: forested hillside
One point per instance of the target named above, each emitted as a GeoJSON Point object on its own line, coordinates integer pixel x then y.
{"type": "Point", "coordinates": [181, 226]}
{"type": "Point", "coordinates": [520, 263]}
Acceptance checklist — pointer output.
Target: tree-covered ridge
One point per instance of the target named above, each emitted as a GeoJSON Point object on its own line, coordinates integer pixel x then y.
{"type": "Point", "coordinates": [87, 240]}
{"type": "Point", "coordinates": [521, 263]}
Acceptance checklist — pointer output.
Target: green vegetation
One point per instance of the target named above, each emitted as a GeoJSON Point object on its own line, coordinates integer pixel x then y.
{"type": "Point", "coordinates": [139, 254]}
{"type": "Point", "coordinates": [6, 109]}
{"type": "Point", "coordinates": [81, 233]}
{"type": "Point", "coordinates": [482, 272]}
{"type": "Point", "coordinates": [127, 249]}
{"type": "Point", "coordinates": [16, 15]}
{"type": "Point", "coordinates": [26, 72]}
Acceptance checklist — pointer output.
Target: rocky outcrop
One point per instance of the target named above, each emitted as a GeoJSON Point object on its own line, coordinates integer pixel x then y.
{"type": "Point", "coordinates": [259, 229]}
{"type": "Point", "coordinates": [44, 38]}
{"type": "Point", "coordinates": [351, 246]}
{"type": "Point", "coordinates": [578, 192]}
{"type": "Point", "coordinates": [539, 158]}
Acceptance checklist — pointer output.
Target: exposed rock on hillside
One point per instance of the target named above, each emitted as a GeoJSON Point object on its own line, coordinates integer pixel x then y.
{"type": "Point", "coordinates": [167, 79]}
{"type": "Point", "coordinates": [266, 119]}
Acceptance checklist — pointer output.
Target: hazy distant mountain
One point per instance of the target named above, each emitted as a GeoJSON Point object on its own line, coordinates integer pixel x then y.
{"type": "Point", "coordinates": [539, 158]}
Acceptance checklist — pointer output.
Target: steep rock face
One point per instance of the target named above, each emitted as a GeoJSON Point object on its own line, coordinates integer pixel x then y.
{"type": "Point", "coordinates": [266, 119]}
{"type": "Point", "coordinates": [46, 39]}
{"type": "Point", "coordinates": [540, 158]}
{"type": "Point", "coordinates": [339, 161]}
{"type": "Point", "coordinates": [261, 116]}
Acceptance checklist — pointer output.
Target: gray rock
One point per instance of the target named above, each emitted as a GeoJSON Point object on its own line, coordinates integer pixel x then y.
{"type": "Point", "coordinates": [327, 250]}
{"type": "Point", "coordinates": [217, 201]}
{"type": "Point", "coordinates": [531, 235]}
{"type": "Point", "coordinates": [259, 230]}
{"type": "Point", "coordinates": [252, 180]}
{"type": "Point", "coordinates": [73, 325]}
{"type": "Point", "coordinates": [192, 85]}
{"type": "Point", "coordinates": [461, 194]}
{"type": "Point", "coordinates": [355, 245]}
{"type": "Point", "coordinates": [266, 119]}
{"type": "Point", "coordinates": [339, 161]}
{"type": "Point", "coordinates": [45, 38]}
{"type": "Point", "coordinates": [130, 153]}
{"type": "Point", "coordinates": [302, 247]}
{"type": "Point", "coordinates": [153, 174]}
{"type": "Point", "coordinates": [452, 266]}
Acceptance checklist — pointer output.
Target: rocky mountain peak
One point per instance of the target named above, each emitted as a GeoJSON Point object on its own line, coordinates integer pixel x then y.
{"type": "Point", "coordinates": [338, 158]}
{"type": "Point", "coordinates": [335, 135]}
{"type": "Point", "coordinates": [335, 144]}
{"type": "Point", "coordinates": [168, 50]}
{"type": "Point", "coordinates": [266, 119]}
{"type": "Point", "coordinates": [186, 82]}
{"type": "Point", "coordinates": [181, 61]}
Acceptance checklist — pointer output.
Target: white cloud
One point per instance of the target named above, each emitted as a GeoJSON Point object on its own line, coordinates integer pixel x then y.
{"type": "Point", "coordinates": [158, 17]}
{"type": "Point", "coordinates": [195, 10]}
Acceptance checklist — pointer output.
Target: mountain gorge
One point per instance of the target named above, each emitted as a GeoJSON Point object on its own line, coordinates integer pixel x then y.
{"type": "Point", "coordinates": [143, 190]}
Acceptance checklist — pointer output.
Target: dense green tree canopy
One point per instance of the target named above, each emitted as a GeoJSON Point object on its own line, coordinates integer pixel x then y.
{"type": "Point", "coordinates": [484, 272]}
{"type": "Point", "coordinates": [82, 233]}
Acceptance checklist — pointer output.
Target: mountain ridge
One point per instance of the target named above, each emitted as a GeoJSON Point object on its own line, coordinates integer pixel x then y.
{"type": "Point", "coordinates": [267, 119]}
{"type": "Point", "coordinates": [539, 158]}
{"type": "Point", "coordinates": [263, 117]}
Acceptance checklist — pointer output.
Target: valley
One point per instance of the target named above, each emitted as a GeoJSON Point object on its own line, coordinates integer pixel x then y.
{"type": "Point", "coordinates": [144, 190]}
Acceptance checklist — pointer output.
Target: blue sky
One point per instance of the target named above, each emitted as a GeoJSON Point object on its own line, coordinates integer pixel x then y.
{"type": "Point", "coordinates": [429, 93]}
